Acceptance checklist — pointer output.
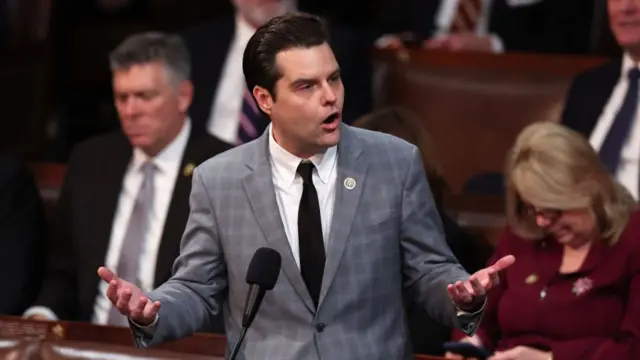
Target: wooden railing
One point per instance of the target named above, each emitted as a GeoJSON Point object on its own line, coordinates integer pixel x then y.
{"type": "Point", "coordinates": [109, 339]}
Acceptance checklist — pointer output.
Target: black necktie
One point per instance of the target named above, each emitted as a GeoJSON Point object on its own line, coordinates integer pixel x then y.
{"type": "Point", "coordinates": [611, 149]}
{"type": "Point", "coordinates": [310, 240]}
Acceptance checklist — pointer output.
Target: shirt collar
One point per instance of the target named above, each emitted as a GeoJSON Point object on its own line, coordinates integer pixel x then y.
{"type": "Point", "coordinates": [244, 30]}
{"type": "Point", "coordinates": [627, 64]}
{"type": "Point", "coordinates": [169, 156]}
{"type": "Point", "coordinates": [286, 164]}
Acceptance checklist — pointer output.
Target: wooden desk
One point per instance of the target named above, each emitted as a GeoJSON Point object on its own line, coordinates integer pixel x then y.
{"type": "Point", "coordinates": [86, 336]}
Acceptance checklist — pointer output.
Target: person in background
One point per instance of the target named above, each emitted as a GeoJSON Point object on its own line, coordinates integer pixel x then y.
{"type": "Point", "coordinates": [22, 236]}
{"type": "Point", "coordinates": [492, 26]}
{"type": "Point", "coordinates": [428, 335]}
{"type": "Point", "coordinates": [223, 107]}
{"type": "Point", "coordinates": [602, 103]}
{"type": "Point", "coordinates": [125, 200]}
{"type": "Point", "coordinates": [574, 293]}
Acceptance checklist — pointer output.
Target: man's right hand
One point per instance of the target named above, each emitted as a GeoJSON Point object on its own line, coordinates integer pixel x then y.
{"type": "Point", "coordinates": [129, 299]}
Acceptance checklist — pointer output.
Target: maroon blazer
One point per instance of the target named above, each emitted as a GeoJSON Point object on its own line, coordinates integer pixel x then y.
{"type": "Point", "coordinates": [593, 314]}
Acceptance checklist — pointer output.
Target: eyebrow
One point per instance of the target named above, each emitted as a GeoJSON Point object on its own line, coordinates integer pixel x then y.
{"type": "Point", "coordinates": [302, 81]}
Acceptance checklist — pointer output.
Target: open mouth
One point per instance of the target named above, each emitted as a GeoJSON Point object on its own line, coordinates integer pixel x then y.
{"type": "Point", "coordinates": [331, 118]}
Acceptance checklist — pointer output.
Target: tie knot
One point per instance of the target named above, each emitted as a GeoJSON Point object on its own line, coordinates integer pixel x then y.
{"type": "Point", "coordinates": [147, 168]}
{"type": "Point", "coordinates": [634, 74]}
{"type": "Point", "coordinates": [305, 169]}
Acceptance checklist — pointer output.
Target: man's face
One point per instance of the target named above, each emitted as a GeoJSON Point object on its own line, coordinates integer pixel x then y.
{"type": "Point", "coordinates": [258, 12]}
{"type": "Point", "coordinates": [151, 108]}
{"type": "Point", "coordinates": [307, 109]}
{"type": "Point", "coordinates": [624, 17]}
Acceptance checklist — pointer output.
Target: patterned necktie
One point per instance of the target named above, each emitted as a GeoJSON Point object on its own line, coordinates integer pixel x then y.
{"type": "Point", "coordinates": [134, 239]}
{"type": "Point", "coordinates": [252, 121]}
{"type": "Point", "coordinates": [467, 16]}
{"type": "Point", "coordinates": [611, 149]}
{"type": "Point", "coordinates": [310, 239]}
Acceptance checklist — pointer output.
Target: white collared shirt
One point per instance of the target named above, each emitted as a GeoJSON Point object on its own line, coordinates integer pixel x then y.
{"type": "Point", "coordinates": [224, 118]}
{"type": "Point", "coordinates": [628, 172]}
{"type": "Point", "coordinates": [288, 186]}
{"type": "Point", "coordinates": [167, 164]}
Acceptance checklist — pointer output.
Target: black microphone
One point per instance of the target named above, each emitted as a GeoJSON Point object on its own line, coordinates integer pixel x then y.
{"type": "Point", "coordinates": [262, 275]}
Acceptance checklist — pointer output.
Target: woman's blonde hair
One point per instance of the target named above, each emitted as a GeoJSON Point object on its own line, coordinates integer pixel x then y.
{"type": "Point", "coordinates": [552, 166]}
{"type": "Point", "coordinates": [406, 124]}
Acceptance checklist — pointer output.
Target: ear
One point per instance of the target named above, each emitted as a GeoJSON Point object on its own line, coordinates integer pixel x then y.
{"type": "Point", "coordinates": [185, 95]}
{"type": "Point", "coordinates": [263, 98]}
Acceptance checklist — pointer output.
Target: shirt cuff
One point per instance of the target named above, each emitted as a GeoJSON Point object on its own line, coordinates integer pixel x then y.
{"type": "Point", "coordinates": [148, 329]}
{"type": "Point", "coordinates": [42, 311]}
{"type": "Point", "coordinates": [497, 46]}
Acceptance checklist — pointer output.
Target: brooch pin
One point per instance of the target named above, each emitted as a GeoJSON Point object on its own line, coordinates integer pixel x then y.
{"type": "Point", "coordinates": [188, 169]}
{"type": "Point", "coordinates": [531, 279]}
{"type": "Point", "coordinates": [582, 285]}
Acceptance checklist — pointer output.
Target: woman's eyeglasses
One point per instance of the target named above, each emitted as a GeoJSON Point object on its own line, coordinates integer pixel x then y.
{"type": "Point", "coordinates": [551, 215]}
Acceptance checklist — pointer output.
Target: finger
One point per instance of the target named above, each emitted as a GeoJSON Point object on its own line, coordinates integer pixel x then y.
{"type": "Point", "coordinates": [124, 296]}
{"type": "Point", "coordinates": [106, 274]}
{"type": "Point", "coordinates": [463, 293]}
{"type": "Point", "coordinates": [452, 356]}
{"type": "Point", "coordinates": [112, 291]}
{"type": "Point", "coordinates": [151, 310]}
{"type": "Point", "coordinates": [138, 309]}
{"type": "Point", "coordinates": [495, 279]}
{"type": "Point", "coordinates": [503, 263]}
{"type": "Point", "coordinates": [476, 286]}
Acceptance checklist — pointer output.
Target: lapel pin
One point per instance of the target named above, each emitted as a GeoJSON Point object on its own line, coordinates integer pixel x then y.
{"type": "Point", "coordinates": [581, 286]}
{"type": "Point", "coordinates": [531, 279]}
{"type": "Point", "coordinates": [349, 183]}
{"type": "Point", "coordinates": [188, 169]}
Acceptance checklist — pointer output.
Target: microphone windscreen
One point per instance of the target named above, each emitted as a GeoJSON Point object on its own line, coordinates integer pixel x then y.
{"type": "Point", "coordinates": [264, 268]}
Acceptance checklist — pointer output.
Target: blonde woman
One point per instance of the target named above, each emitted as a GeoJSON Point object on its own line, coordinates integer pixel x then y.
{"type": "Point", "coordinates": [574, 293]}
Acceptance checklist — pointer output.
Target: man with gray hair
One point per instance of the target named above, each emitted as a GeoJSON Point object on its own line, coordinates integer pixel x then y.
{"type": "Point", "coordinates": [125, 200]}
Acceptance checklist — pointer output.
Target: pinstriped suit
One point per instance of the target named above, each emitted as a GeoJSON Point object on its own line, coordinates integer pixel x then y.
{"type": "Point", "coordinates": [385, 234]}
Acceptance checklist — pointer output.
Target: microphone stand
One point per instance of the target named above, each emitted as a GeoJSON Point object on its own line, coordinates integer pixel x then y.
{"type": "Point", "coordinates": [236, 347]}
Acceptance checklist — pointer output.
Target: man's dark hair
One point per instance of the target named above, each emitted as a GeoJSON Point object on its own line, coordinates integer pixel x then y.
{"type": "Point", "coordinates": [144, 48]}
{"type": "Point", "coordinates": [293, 30]}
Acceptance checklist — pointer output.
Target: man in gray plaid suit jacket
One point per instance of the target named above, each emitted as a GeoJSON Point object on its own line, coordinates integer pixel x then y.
{"type": "Point", "coordinates": [380, 227]}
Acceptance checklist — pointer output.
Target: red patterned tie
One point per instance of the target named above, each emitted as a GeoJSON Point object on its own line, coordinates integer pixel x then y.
{"type": "Point", "coordinates": [467, 16]}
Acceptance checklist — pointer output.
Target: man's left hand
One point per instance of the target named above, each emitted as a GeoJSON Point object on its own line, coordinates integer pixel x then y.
{"type": "Point", "coordinates": [469, 295]}
{"type": "Point", "coordinates": [521, 353]}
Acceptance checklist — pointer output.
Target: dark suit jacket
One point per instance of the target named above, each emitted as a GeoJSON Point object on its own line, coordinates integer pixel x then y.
{"type": "Point", "coordinates": [591, 314]}
{"type": "Point", "coordinates": [22, 231]}
{"type": "Point", "coordinates": [85, 213]}
{"type": "Point", "coordinates": [547, 26]}
{"type": "Point", "coordinates": [208, 45]}
{"type": "Point", "coordinates": [588, 95]}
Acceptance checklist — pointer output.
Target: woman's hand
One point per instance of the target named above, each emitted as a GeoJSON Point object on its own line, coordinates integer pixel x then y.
{"type": "Point", "coordinates": [521, 353]}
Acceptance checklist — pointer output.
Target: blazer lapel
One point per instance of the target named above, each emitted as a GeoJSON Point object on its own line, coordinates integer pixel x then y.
{"type": "Point", "coordinates": [262, 197]}
{"type": "Point", "coordinates": [352, 169]}
{"type": "Point", "coordinates": [177, 215]}
{"type": "Point", "coordinates": [106, 195]}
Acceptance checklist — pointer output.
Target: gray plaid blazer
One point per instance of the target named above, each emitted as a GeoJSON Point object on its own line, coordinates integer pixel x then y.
{"type": "Point", "coordinates": [386, 234]}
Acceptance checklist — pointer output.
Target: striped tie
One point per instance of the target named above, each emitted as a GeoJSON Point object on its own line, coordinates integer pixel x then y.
{"type": "Point", "coordinates": [467, 16]}
{"type": "Point", "coordinates": [252, 121]}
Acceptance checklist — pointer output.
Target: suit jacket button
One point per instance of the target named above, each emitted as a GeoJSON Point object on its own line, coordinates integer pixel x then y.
{"type": "Point", "coordinates": [320, 327]}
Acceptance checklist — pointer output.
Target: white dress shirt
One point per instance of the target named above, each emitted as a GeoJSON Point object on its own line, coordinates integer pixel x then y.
{"type": "Point", "coordinates": [628, 172]}
{"type": "Point", "coordinates": [288, 187]}
{"type": "Point", "coordinates": [447, 12]}
{"type": "Point", "coordinates": [167, 165]}
{"type": "Point", "coordinates": [224, 120]}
